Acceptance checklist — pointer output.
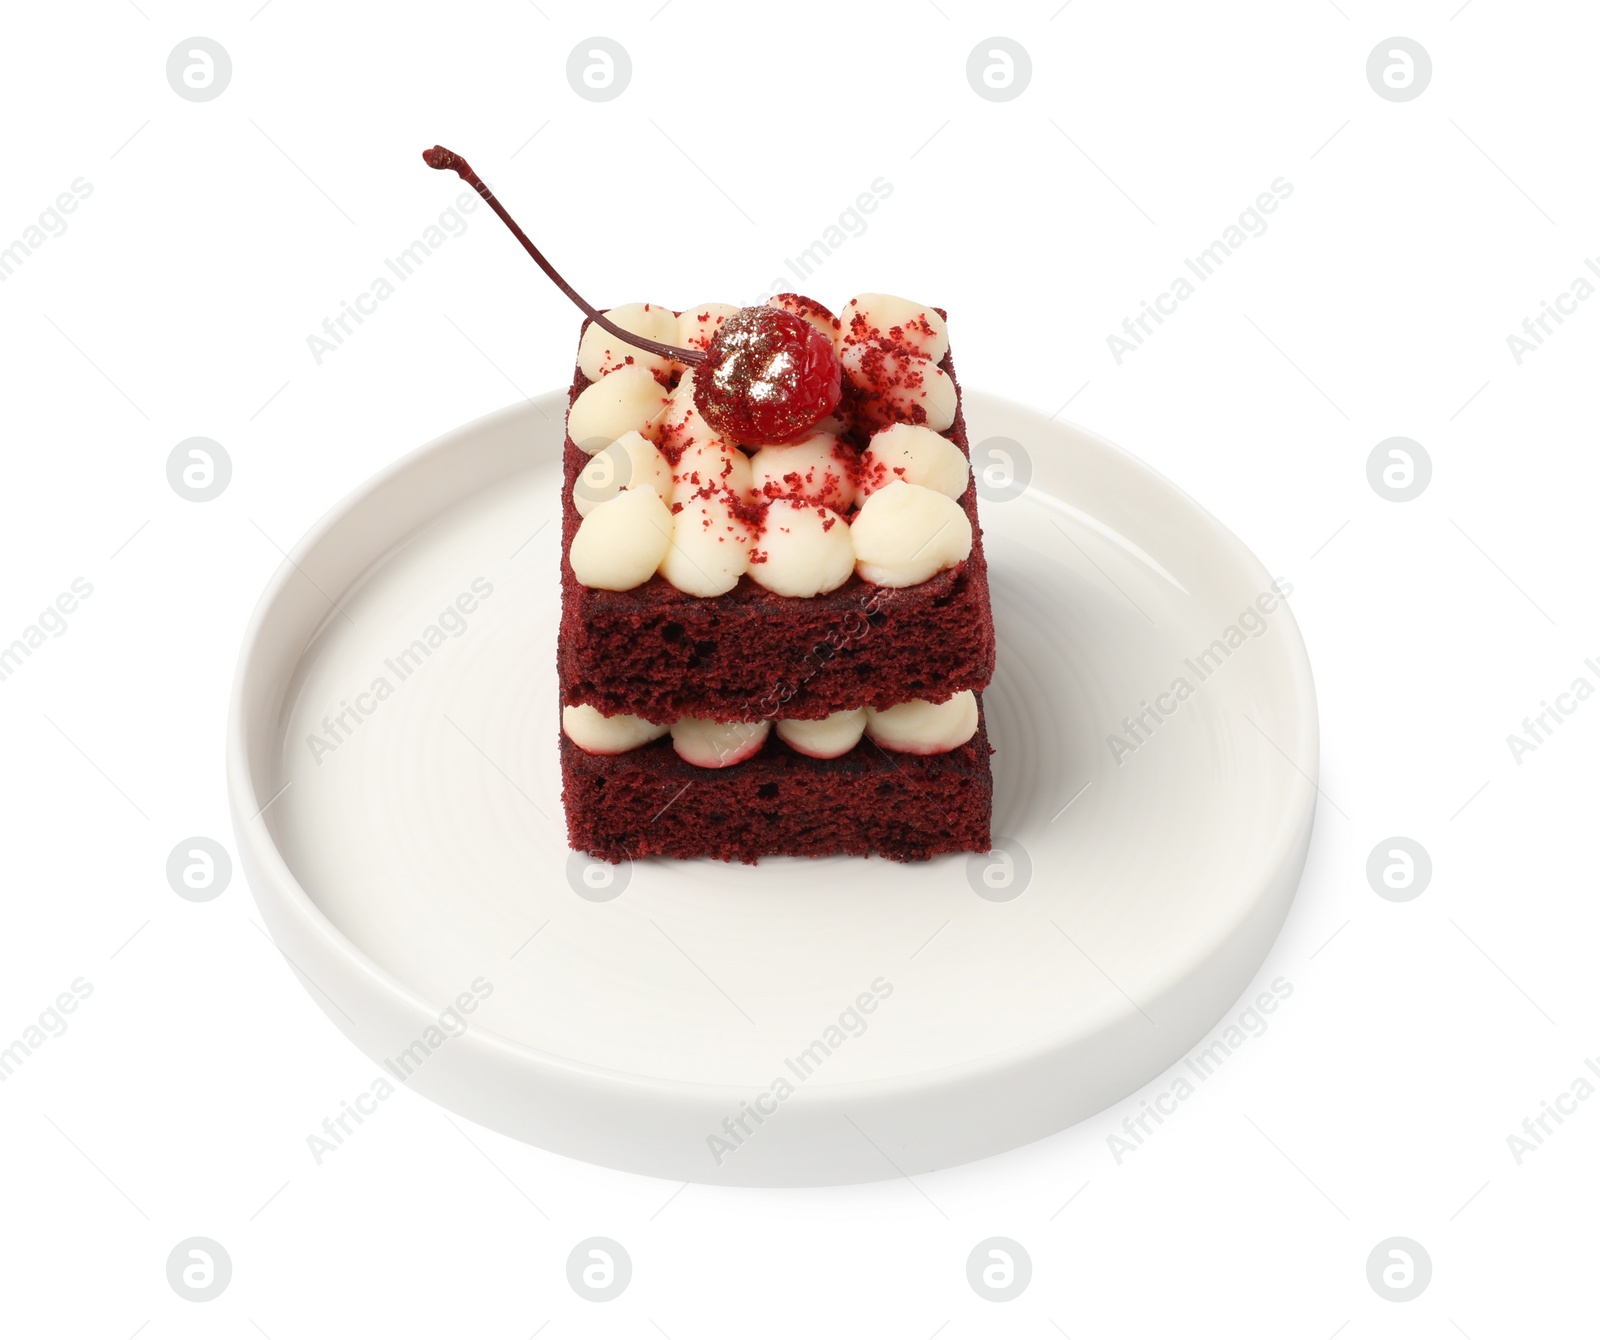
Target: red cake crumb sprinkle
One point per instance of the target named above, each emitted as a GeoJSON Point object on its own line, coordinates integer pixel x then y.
{"type": "Point", "coordinates": [849, 460]}
{"type": "Point", "coordinates": [860, 331]}
{"type": "Point", "coordinates": [752, 513]}
{"type": "Point", "coordinates": [886, 369]}
{"type": "Point", "coordinates": [803, 486]}
{"type": "Point", "coordinates": [873, 477]}
{"type": "Point", "coordinates": [671, 446]}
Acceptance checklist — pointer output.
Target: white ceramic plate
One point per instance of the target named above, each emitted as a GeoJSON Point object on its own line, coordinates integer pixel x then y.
{"type": "Point", "coordinates": [709, 1022]}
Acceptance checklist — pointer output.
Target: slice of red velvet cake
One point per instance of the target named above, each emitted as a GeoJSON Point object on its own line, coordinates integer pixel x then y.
{"type": "Point", "coordinates": [661, 652]}
{"type": "Point", "coordinates": [867, 801]}
{"type": "Point", "coordinates": [775, 610]}
{"type": "Point", "coordinates": [773, 648]}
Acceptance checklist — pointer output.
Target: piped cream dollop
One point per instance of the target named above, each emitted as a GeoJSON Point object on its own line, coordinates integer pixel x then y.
{"type": "Point", "coordinates": [600, 352]}
{"type": "Point", "coordinates": [628, 400]}
{"type": "Point", "coordinates": [814, 469]}
{"type": "Point", "coordinates": [679, 424]}
{"type": "Point", "coordinates": [622, 541]}
{"type": "Point", "coordinates": [629, 462]}
{"type": "Point", "coordinates": [710, 547]}
{"type": "Point", "coordinates": [921, 727]}
{"type": "Point", "coordinates": [902, 321]}
{"type": "Point", "coordinates": [709, 466]}
{"type": "Point", "coordinates": [905, 533]}
{"type": "Point", "coordinates": [595, 733]}
{"type": "Point", "coordinates": [717, 744]}
{"type": "Point", "coordinates": [908, 387]}
{"type": "Point", "coordinates": [917, 455]}
{"type": "Point", "coordinates": [830, 737]}
{"type": "Point", "coordinates": [803, 550]}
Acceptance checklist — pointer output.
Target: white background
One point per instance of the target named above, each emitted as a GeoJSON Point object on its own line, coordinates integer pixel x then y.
{"type": "Point", "coordinates": [217, 237]}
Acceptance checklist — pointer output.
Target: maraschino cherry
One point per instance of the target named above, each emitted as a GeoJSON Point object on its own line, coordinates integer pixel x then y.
{"type": "Point", "coordinates": [769, 376]}
{"type": "Point", "coordinates": [766, 377]}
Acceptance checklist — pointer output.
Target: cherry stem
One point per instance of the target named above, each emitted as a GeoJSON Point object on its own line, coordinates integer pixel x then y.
{"type": "Point", "coordinates": [444, 160]}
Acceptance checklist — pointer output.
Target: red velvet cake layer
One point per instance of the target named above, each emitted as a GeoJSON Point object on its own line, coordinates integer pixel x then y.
{"type": "Point", "coordinates": [869, 802]}
{"type": "Point", "coordinates": [660, 653]}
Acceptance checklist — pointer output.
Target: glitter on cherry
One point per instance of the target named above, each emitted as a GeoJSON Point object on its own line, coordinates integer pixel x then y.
{"type": "Point", "coordinates": [769, 376]}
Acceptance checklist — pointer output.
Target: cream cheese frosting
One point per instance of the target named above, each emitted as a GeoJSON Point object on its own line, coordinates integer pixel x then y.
{"type": "Point", "coordinates": [913, 727]}
{"type": "Point", "coordinates": [798, 518]}
{"type": "Point", "coordinates": [622, 541]}
{"type": "Point", "coordinates": [629, 462]}
{"type": "Point", "coordinates": [905, 533]}
{"type": "Point", "coordinates": [803, 550]}
{"type": "Point", "coordinates": [625, 401]}
{"type": "Point", "coordinates": [600, 352]}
